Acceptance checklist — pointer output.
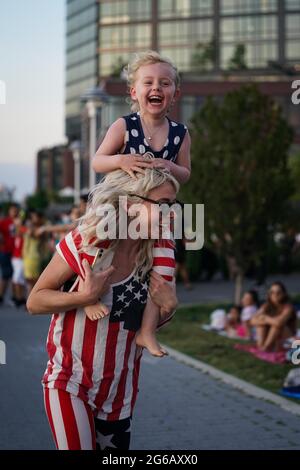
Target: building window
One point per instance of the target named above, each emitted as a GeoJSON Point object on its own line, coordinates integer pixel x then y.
{"type": "Point", "coordinates": [179, 40]}
{"type": "Point", "coordinates": [118, 11]}
{"type": "Point", "coordinates": [229, 7]}
{"type": "Point", "coordinates": [292, 24]}
{"type": "Point", "coordinates": [184, 32]}
{"type": "Point", "coordinates": [257, 33]}
{"type": "Point", "coordinates": [82, 19]}
{"type": "Point", "coordinates": [85, 52]}
{"type": "Point", "coordinates": [124, 37]}
{"type": "Point", "coordinates": [82, 36]}
{"type": "Point", "coordinates": [74, 6]}
{"type": "Point", "coordinates": [77, 89]}
{"type": "Point", "coordinates": [180, 56]}
{"type": "Point", "coordinates": [187, 8]}
{"type": "Point", "coordinates": [72, 108]}
{"type": "Point", "coordinates": [80, 71]}
{"type": "Point", "coordinates": [292, 4]}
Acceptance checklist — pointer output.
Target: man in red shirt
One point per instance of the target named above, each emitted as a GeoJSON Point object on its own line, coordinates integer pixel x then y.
{"type": "Point", "coordinates": [7, 232]}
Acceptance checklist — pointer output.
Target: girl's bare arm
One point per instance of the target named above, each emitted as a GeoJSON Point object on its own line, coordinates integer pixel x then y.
{"type": "Point", "coordinates": [106, 158]}
{"type": "Point", "coordinates": [182, 168]}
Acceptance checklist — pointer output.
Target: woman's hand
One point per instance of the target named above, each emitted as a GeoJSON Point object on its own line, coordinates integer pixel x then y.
{"type": "Point", "coordinates": [162, 292]}
{"type": "Point", "coordinates": [96, 311]}
{"type": "Point", "coordinates": [94, 285]}
{"type": "Point", "coordinates": [133, 162]}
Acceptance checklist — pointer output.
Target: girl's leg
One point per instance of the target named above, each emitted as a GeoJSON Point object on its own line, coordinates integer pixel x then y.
{"type": "Point", "coordinates": [71, 420]}
{"type": "Point", "coordinates": [146, 336]}
{"type": "Point", "coordinates": [163, 264]}
{"type": "Point", "coordinates": [113, 434]}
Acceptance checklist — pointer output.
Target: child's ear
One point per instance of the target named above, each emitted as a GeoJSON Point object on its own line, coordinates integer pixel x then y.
{"type": "Point", "coordinates": [132, 93]}
{"type": "Point", "coordinates": [176, 94]}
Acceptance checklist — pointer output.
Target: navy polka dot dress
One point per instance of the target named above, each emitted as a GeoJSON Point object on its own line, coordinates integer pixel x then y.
{"type": "Point", "coordinates": [136, 141]}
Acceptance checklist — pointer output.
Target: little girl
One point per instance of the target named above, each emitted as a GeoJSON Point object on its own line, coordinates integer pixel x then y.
{"type": "Point", "coordinates": [153, 83]}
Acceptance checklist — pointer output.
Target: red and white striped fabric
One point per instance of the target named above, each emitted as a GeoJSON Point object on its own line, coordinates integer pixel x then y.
{"type": "Point", "coordinates": [98, 361]}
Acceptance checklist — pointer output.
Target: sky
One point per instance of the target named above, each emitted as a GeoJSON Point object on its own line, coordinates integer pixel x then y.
{"type": "Point", "coordinates": [32, 59]}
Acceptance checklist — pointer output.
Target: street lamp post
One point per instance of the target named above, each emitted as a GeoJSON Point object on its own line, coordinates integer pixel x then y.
{"type": "Point", "coordinates": [75, 148]}
{"type": "Point", "coordinates": [93, 99]}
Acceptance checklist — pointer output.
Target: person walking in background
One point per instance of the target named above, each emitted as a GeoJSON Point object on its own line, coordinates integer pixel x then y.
{"type": "Point", "coordinates": [7, 234]}
{"type": "Point", "coordinates": [18, 280]}
{"type": "Point", "coordinates": [35, 248]}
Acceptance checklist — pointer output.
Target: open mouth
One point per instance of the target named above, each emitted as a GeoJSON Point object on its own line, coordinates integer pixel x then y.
{"type": "Point", "coordinates": [155, 99]}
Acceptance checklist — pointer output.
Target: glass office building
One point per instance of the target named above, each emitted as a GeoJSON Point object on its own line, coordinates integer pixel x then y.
{"type": "Point", "coordinates": [200, 36]}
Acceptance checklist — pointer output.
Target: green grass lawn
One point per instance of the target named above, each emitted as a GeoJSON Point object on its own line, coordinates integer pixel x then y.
{"type": "Point", "coordinates": [184, 333]}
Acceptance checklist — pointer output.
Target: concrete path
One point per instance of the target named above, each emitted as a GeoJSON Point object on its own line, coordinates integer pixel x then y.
{"type": "Point", "coordinates": [178, 407]}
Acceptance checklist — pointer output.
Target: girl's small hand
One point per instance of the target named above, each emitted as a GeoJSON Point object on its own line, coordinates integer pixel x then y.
{"type": "Point", "coordinates": [133, 162]}
{"type": "Point", "coordinates": [161, 163]}
{"type": "Point", "coordinates": [96, 311]}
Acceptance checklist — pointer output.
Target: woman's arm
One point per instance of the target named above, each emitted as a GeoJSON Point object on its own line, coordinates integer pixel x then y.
{"type": "Point", "coordinates": [46, 296]}
{"type": "Point", "coordinates": [281, 319]}
{"type": "Point", "coordinates": [259, 317]}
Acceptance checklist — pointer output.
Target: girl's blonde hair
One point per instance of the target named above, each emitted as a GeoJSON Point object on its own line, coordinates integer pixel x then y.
{"type": "Point", "coordinates": [146, 58]}
{"type": "Point", "coordinates": [119, 183]}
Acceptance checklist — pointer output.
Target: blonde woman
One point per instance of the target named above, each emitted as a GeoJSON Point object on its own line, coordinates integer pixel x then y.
{"type": "Point", "coordinates": [91, 380]}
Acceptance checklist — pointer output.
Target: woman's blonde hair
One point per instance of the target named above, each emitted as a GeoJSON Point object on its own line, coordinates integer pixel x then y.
{"type": "Point", "coordinates": [119, 183]}
{"type": "Point", "coordinates": [146, 58]}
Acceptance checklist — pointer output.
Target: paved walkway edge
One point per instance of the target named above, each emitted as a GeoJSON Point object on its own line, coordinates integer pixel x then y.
{"type": "Point", "coordinates": [240, 384]}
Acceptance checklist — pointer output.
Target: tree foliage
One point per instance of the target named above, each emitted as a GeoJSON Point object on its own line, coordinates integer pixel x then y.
{"type": "Point", "coordinates": [240, 172]}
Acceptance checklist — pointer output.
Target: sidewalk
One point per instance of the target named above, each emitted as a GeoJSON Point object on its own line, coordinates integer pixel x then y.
{"type": "Point", "coordinates": [178, 406]}
{"type": "Point", "coordinates": [223, 291]}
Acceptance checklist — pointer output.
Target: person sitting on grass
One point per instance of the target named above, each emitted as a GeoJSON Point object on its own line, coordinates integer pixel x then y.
{"type": "Point", "coordinates": [275, 320]}
{"type": "Point", "coordinates": [233, 321]}
{"type": "Point", "coordinates": [250, 304]}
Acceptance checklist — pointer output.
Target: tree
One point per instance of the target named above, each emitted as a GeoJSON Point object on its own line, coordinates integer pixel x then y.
{"type": "Point", "coordinates": [240, 173]}
{"type": "Point", "coordinates": [238, 59]}
{"type": "Point", "coordinates": [204, 56]}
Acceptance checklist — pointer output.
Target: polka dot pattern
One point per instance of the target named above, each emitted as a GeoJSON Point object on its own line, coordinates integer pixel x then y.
{"type": "Point", "coordinates": [136, 141]}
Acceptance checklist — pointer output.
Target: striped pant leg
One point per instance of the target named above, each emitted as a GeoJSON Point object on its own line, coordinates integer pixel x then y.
{"type": "Point", "coordinates": [71, 420]}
